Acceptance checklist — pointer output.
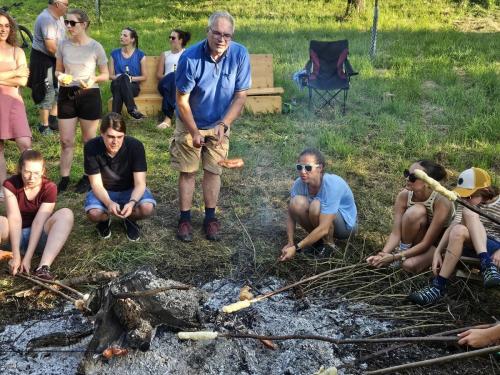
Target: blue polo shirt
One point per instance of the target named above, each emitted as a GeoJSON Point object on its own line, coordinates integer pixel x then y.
{"type": "Point", "coordinates": [211, 84]}
{"type": "Point", "coordinates": [334, 195]}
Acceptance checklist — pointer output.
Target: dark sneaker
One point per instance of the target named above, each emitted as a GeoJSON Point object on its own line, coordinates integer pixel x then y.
{"type": "Point", "coordinates": [103, 229]}
{"type": "Point", "coordinates": [53, 123]}
{"type": "Point", "coordinates": [62, 185]}
{"type": "Point", "coordinates": [44, 130]}
{"type": "Point", "coordinates": [491, 276]}
{"type": "Point", "coordinates": [43, 272]}
{"type": "Point", "coordinates": [426, 296]}
{"type": "Point", "coordinates": [185, 231]}
{"type": "Point", "coordinates": [212, 229]}
{"type": "Point", "coordinates": [83, 185]}
{"type": "Point", "coordinates": [136, 114]}
{"type": "Point", "coordinates": [132, 230]}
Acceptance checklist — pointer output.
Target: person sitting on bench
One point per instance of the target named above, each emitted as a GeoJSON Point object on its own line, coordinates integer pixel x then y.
{"type": "Point", "coordinates": [470, 234]}
{"type": "Point", "coordinates": [127, 67]}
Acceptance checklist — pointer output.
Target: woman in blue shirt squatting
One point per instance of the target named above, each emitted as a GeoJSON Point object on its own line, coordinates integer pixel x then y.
{"type": "Point", "coordinates": [421, 215]}
{"type": "Point", "coordinates": [321, 203]}
{"type": "Point", "coordinates": [127, 67]}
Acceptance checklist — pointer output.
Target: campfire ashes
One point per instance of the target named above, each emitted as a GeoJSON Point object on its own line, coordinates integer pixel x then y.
{"type": "Point", "coordinates": [67, 342]}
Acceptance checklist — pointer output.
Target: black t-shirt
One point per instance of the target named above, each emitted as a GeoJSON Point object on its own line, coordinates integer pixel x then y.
{"type": "Point", "coordinates": [117, 172]}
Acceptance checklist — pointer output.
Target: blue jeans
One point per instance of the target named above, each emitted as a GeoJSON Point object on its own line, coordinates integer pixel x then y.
{"type": "Point", "coordinates": [25, 239]}
{"type": "Point", "coordinates": [120, 197]}
{"type": "Point", "coordinates": [166, 88]}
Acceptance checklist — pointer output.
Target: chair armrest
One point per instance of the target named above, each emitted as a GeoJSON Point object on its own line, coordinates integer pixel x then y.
{"type": "Point", "coordinates": [348, 68]}
{"type": "Point", "coordinates": [308, 67]}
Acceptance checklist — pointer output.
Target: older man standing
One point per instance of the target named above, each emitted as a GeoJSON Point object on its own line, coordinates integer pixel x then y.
{"type": "Point", "coordinates": [211, 79]}
{"type": "Point", "coordinates": [49, 30]}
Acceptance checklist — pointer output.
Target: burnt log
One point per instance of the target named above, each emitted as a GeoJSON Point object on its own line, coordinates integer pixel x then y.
{"type": "Point", "coordinates": [131, 321]}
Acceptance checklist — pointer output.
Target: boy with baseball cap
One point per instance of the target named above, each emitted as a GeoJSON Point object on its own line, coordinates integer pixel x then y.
{"type": "Point", "coordinates": [470, 234]}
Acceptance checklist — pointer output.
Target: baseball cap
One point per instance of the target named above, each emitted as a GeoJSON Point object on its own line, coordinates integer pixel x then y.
{"type": "Point", "coordinates": [471, 180]}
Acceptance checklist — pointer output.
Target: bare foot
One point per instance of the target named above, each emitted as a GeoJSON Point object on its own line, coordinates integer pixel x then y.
{"type": "Point", "coordinates": [165, 124]}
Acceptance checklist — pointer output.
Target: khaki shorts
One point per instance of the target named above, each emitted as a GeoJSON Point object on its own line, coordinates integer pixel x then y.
{"type": "Point", "coordinates": [184, 157]}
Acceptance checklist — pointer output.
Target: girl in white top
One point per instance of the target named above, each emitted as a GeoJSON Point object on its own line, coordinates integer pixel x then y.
{"type": "Point", "coordinates": [79, 96]}
{"type": "Point", "coordinates": [165, 73]}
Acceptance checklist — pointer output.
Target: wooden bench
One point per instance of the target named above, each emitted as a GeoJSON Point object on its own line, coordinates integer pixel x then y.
{"type": "Point", "coordinates": [263, 97]}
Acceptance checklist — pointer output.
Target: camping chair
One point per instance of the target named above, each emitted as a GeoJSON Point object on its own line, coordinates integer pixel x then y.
{"type": "Point", "coordinates": [329, 73]}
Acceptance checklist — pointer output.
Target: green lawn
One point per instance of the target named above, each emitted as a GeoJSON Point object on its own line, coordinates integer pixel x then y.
{"type": "Point", "coordinates": [439, 59]}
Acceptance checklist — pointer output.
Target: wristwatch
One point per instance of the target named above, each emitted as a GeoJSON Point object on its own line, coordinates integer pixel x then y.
{"type": "Point", "coordinates": [298, 249]}
{"type": "Point", "coordinates": [403, 256]}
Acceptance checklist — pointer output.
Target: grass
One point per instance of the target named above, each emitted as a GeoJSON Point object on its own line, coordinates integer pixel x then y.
{"type": "Point", "coordinates": [439, 59]}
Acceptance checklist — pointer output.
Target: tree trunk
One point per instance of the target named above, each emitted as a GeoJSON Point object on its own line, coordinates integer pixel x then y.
{"type": "Point", "coordinates": [356, 5]}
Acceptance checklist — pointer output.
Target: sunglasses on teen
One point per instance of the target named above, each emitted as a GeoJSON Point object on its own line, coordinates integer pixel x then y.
{"type": "Point", "coordinates": [71, 23]}
{"type": "Point", "coordinates": [410, 176]}
{"type": "Point", "coordinates": [172, 37]}
{"type": "Point", "coordinates": [307, 167]}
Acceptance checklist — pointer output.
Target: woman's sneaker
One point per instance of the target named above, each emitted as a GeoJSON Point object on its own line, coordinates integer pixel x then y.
{"type": "Point", "coordinates": [43, 272]}
{"type": "Point", "coordinates": [132, 230]}
{"type": "Point", "coordinates": [491, 276]}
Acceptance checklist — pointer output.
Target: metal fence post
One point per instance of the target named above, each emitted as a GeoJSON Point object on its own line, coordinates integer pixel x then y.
{"type": "Point", "coordinates": [373, 46]}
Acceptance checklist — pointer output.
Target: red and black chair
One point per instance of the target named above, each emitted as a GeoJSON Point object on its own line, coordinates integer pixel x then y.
{"type": "Point", "coordinates": [329, 73]}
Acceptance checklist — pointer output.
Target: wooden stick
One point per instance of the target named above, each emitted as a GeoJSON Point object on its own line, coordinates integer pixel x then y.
{"type": "Point", "coordinates": [451, 195]}
{"type": "Point", "coordinates": [244, 304]}
{"type": "Point", "coordinates": [59, 284]}
{"type": "Point", "coordinates": [77, 303]}
{"type": "Point", "coordinates": [434, 361]}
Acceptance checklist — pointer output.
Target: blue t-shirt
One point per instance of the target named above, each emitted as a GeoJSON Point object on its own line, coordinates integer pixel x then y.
{"type": "Point", "coordinates": [334, 195]}
{"type": "Point", "coordinates": [133, 62]}
{"type": "Point", "coordinates": [211, 84]}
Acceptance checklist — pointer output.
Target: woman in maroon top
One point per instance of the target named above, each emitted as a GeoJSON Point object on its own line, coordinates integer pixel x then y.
{"type": "Point", "coordinates": [31, 223]}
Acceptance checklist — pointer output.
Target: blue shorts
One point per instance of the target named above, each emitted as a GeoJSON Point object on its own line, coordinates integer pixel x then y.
{"type": "Point", "coordinates": [25, 239]}
{"type": "Point", "coordinates": [120, 197]}
{"type": "Point", "coordinates": [492, 245]}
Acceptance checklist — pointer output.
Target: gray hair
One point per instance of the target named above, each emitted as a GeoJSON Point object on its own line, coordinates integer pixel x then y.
{"type": "Point", "coordinates": [220, 14]}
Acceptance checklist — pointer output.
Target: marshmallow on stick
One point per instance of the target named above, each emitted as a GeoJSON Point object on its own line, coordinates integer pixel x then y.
{"type": "Point", "coordinates": [435, 185]}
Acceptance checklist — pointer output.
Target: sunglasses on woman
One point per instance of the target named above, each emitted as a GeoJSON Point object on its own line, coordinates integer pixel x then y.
{"type": "Point", "coordinates": [307, 167]}
{"type": "Point", "coordinates": [410, 176]}
{"type": "Point", "coordinates": [71, 23]}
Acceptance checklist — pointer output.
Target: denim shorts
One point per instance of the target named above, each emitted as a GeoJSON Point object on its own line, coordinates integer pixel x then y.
{"type": "Point", "coordinates": [25, 239]}
{"type": "Point", "coordinates": [492, 245]}
{"type": "Point", "coordinates": [120, 197]}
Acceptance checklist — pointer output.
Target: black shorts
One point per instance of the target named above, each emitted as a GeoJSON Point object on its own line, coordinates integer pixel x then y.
{"type": "Point", "coordinates": [77, 102]}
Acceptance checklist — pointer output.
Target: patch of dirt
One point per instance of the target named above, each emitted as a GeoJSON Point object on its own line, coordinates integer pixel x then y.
{"type": "Point", "coordinates": [487, 24]}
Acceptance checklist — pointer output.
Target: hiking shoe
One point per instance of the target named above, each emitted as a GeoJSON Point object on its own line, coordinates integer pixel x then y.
{"type": "Point", "coordinates": [491, 276]}
{"type": "Point", "coordinates": [426, 296]}
{"type": "Point", "coordinates": [44, 130]}
{"type": "Point", "coordinates": [53, 124]}
{"type": "Point", "coordinates": [62, 185]}
{"type": "Point", "coordinates": [43, 272]}
{"type": "Point", "coordinates": [136, 114]}
{"type": "Point", "coordinates": [103, 228]}
{"type": "Point", "coordinates": [132, 230]}
{"type": "Point", "coordinates": [212, 229]}
{"type": "Point", "coordinates": [185, 231]}
{"type": "Point", "coordinates": [83, 185]}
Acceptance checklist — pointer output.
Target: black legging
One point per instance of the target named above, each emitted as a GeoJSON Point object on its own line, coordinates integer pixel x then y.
{"type": "Point", "coordinates": [124, 92]}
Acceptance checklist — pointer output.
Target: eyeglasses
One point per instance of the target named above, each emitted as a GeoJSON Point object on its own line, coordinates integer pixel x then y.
{"type": "Point", "coordinates": [71, 23]}
{"type": "Point", "coordinates": [307, 167]}
{"type": "Point", "coordinates": [32, 174]}
{"type": "Point", "coordinates": [219, 35]}
{"type": "Point", "coordinates": [172, 37]}
{"type": "Point", "coordinates": [410, 176]}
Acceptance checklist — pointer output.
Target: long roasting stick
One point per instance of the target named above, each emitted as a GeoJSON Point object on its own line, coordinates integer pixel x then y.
{"type": "Point", "coordinates": [451, 195]}
{"type": "Point", "coordinates": [247, 303]}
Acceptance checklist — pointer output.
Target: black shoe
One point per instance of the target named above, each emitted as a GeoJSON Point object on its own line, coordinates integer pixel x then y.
{"type": "Point", "coordinates": [83, 185]}
{"type": "Point", "coordinates": [132, 230]}
{"type": "Point", "coordinates": [44, 130]}
{"type": "Point", "coordinates": [429, 295]}
{"type": "Point", "coordinates": [136, 114]}
{"type": "Point", "coordinates": [63, 184]}
{"type": "Point", "coordinates": [103, 229]}
{"type": "Point", "coordinates": [53, 123]}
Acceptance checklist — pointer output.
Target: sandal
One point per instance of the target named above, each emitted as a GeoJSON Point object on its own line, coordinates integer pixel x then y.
{"type": "Point", "coordinates": [43, 272]}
